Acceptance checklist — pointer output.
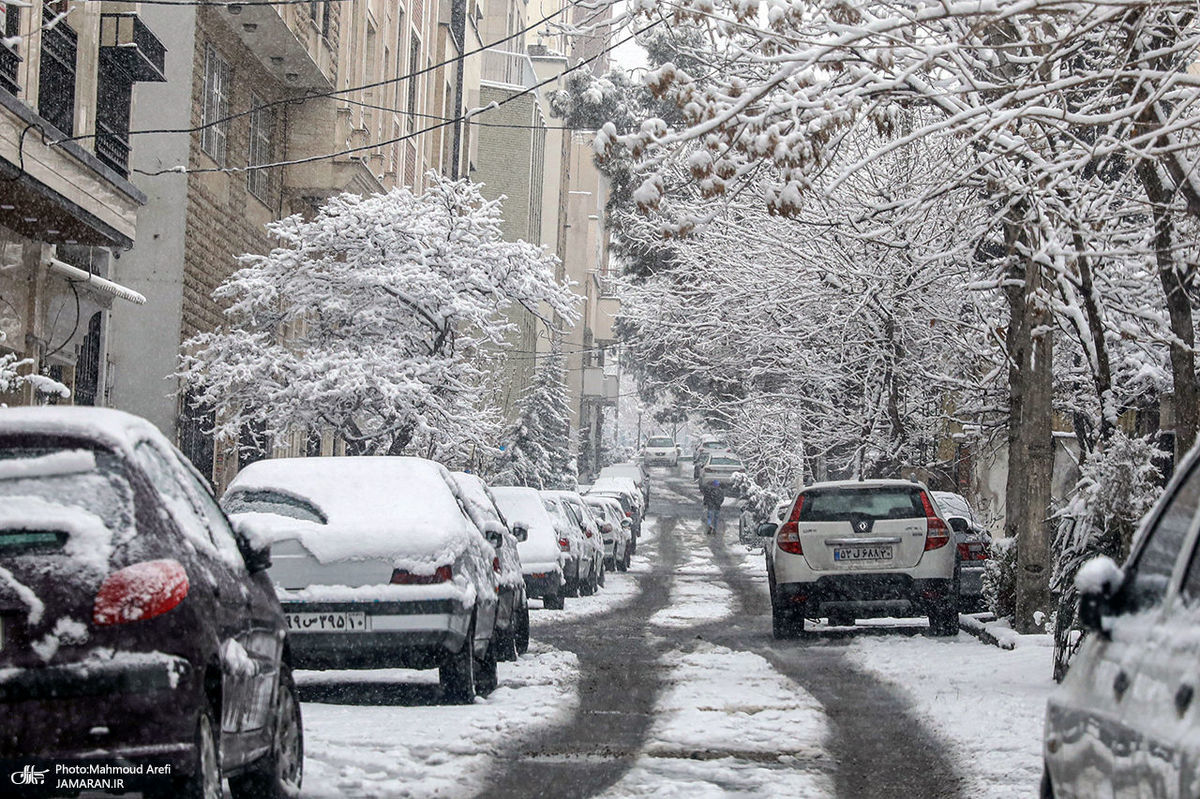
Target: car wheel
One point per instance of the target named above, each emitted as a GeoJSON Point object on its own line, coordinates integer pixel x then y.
{"type": "Point", "coordinates": [587, 587]}
{"type": "Point", "coordinates": [600, 579]}
{"type": "Point", "coordinates": [521, 629]}
{"type": "Point", "coordinates": [787, 623]}
{"type": "Point", "coordinates": [278, 773]}
{"type": "Point", "coordinates": [205, 781]}
{"type": "Point", "coordinates": [456, 674]}
{"type": "Point", "coordinates": [571, 588]}
{"type": "Point", "coordinates": [486, 678]}
{"type": "Point", "coordinates": [943, 618]}
{"type": "Point", "coordinates": [553, 602]}
{"type": "Point", "coordinates": [506, 643]}
{"type": "Point", "coordinates": [623, 563]}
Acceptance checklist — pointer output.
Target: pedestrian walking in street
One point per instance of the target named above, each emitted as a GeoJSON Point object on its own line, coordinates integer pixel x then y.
{"type": "Point", "coordinates": [714, 496]}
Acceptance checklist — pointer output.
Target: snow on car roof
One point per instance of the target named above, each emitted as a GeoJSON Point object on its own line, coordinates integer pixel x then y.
{"type": "Point", "coordinates": [397, 508]}
{"type": "Point", "coordinates": [524, 506]}
{"type": "Point", "coordinates": [116, 429]}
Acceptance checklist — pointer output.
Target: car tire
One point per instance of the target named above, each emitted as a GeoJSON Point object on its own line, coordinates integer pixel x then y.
{"type": "Point", "coordinates": [553, 601]}
{"type": "Point", "coordinates": [277, 774]}
{"type": "Point", "coordinates": [571, 588]}
{"type": "Point", "coordinates": [943, 618]}
{"type": "Point", "coordinates": [505, 641]}
{"type": "Point", "coordinates": [205, 781]}
{"type": "Point", "coordinates": [521, 629]}
{"type": "Point", "coordinates": [623, 563]}
{"type": "Point", "coordinates": [486, 677]}
{"type": "Point", "coordinates": [600, 579]}
{"type": "Point", "coordinates": [456, 674]}
{"type": "Point", "coordinates": [787, 623]}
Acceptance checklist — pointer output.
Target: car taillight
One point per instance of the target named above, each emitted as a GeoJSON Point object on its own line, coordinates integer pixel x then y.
{"type": "Point", "coordinates": [588, 533]}
{"type": "Point", "coordinates": [788, 537]}
{"type": "Point", "coordinates": [937, 533]}
{"type": "Point", "coordinates": [629, 514]}
{"type": "Point", "coordinates": [972, 552]}
{"type": "Point", "coordinates": [444, 574]}
{"type": "Point", "coordinates": [496, 564]}
{"type": "Point", "coordinates": [564, 544]}
{"type": "Point", "coordinates": [141, 591]}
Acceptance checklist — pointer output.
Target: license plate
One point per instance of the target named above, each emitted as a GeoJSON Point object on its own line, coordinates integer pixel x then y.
{"type": "Point", "coordinates": [326, 622]}
{"type": "Point", "coordinates": [856, 554]}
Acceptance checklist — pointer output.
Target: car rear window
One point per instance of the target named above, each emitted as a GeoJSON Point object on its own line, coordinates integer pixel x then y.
{"type": "Point", "coordinates": [724, 462]}
{"type": "Point", "coordinates": [279, 503]}
{"type": "Point", "coordinates": [843, 504]}
{"type": "Point", "coordinates": [660, 442]}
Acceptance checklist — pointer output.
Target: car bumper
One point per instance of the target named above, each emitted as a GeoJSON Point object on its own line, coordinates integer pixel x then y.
{"type": "Point", "coordinates": [867, 594]}
{"type": "Point", "coordinates": [661, 460]}
{"type": "Point", "coordinates": [128, 721]}
{"type": "Point", "coordinates": [543, 583]}
{"type": "Point", "coordinates": [414, 635]}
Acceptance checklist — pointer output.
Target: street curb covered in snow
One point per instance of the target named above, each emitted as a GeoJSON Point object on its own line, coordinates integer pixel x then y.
{"type": "Point", "coordinates": [975, 627]}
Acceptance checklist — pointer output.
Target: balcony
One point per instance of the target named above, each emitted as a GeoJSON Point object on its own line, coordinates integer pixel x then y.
{"type": "Point", "coordinates": [132, 46]}
{"type": "Point", "coordinates": [287, 42]}
{"type": "Point", "coordinates": [607, 311]}
{"type": "Point", "coordinates": [598, 386]}
{"type": "Point", "coordinates": [510, 69]}
{"type": "Point", "coordinates": [56, 81]}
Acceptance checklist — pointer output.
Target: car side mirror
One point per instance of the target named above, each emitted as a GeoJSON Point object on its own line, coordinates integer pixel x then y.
{"type": "Point", "coordinates": [493, 531]}
{"type": "Point", "coordinates": [627, 523]}
{"type": "Point", "coordinates": [767, 529]}
{"type": "Point", "coordinates": [1099, 583]}
{"type": "Point", "coordinates": [256, 556]}
{"type": "Point", "coordinates": [960, 525]}
{"type": "Point", "coordinates": [520, 531]}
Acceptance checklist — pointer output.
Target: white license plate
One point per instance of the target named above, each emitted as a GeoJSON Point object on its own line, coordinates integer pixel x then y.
{"type": "Point", "coordinates": [856, 554]}
{"type": "Point", "coordinates": [326, 622]}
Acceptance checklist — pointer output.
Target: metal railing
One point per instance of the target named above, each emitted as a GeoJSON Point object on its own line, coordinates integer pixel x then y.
{"type": "Point", "coordinates": [509, 68]}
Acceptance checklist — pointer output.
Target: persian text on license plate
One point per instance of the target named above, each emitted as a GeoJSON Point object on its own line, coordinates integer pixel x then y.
{"type": "Point", "coordinates": [326, 622]}
{"type": "Point", "coordinates": [854, 554]}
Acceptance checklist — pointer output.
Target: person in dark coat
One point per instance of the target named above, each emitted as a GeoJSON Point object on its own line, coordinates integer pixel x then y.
{"type": "Point", "coordinates": [713, 494]}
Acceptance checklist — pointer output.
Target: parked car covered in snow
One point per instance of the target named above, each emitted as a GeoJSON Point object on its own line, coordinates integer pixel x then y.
{"type": "Point", "coordinates": [632, 471]}
{"type": "Point", "coordinates": [627, 493]}
{"type": "Point", "coordinates": [579, 570]}
{"type": "Point", "coordinates": [593, 543]}
{"type": "Point", "coordinates": [512, 617]}
{"type": "Point", "coordinates": [1124, 720]}
{"type": "Point", "coordinates": [973, 543]}
{"type": "Point", "coordinates": [719, 468]}
{"type": "Point", "coordinates": [543, 562]}
{"type": "Point", "coordinates": [136, 628]}
{"type": "Point", "coordinates": [376, 564]}
{"type": "Point", "coordinates": [615, 529]}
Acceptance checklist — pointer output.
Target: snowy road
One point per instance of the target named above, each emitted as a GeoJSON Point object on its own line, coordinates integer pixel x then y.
{"type": "Point", "coordinates": [668, 683]}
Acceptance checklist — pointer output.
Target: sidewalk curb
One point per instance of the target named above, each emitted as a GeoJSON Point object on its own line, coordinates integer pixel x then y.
{"type": "Point", "coordinates": [973, 626]}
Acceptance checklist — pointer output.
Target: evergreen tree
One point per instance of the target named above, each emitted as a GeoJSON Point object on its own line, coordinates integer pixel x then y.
{"type": "Point", "coordinates": [537, 452]}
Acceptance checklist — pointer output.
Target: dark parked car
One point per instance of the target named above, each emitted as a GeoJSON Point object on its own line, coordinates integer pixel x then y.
{"type": "Point", "coordinates": [135, 627]}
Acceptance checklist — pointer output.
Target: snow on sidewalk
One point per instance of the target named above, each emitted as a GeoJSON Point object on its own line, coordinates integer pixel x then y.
{"type": "Point", "coordinates": [395, 751]}
{"type": "Point", "coordinates": [987, 704]}
{"type": "Point", "coordinates": [728, 724]}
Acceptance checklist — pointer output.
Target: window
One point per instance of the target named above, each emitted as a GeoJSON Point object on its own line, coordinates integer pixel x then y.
{"type": "Point", "coordinates": [1148, 578]}
{"type": "Point", "coordinates": [262, 133]}
{"type": "Point", "coordinates": [318, 12]}
{"type": "Point", "coordinates": [56, 79]}
{"type": "Point", "coordinates": [215, 112]}
{"type": "Point", "coordinates": [839, 505]}
{"type": "Point", "coordinates": [414, 59]}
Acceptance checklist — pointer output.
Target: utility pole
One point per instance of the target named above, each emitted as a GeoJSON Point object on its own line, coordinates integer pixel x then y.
{"type": "Point", "coordinates": [458, 33]}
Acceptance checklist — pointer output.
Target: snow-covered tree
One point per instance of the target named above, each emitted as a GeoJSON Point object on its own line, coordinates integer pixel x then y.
{"type": "Point", "coordinates": [15, 375]}
{"type": "Point", "coordinates": [377, 319]}
{"type": "Point", "coordinates": [537, 449]}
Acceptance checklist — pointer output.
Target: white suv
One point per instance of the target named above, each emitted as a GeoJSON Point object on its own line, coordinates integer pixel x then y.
{"type": "Point", "coordinates": [863, 548]}
{"type": "Point", "coordinates": [660, 451]}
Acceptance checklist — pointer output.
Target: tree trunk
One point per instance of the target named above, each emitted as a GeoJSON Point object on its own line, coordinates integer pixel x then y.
{"type": "Point", "coordinates": [1179, 309]}
{"type": "Point", "coordinates": [1030, 437]}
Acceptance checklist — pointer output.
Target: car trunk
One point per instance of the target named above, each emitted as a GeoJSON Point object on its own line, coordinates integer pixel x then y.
{"type": "Point", "coordinates": [863, 528]}
{"type": "Point", "coordinates": [293, 567]}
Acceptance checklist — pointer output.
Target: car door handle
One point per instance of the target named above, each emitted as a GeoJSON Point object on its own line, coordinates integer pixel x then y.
{"type": "Point", "coordinates": [1183, 698]}
{"type": "Point", "coordinates": [1121, 684]}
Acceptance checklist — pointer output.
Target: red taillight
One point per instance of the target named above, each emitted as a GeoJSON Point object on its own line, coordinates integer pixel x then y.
{"type": "Point", "coordinates": [788, 537]}
{"type": "Point", "coordinates": [972, 552]}
{"type": "Point", "coordinates": [937, 534]}
{"type": "Point", "coordinates": [628, 514]}
{"type": "Point", "coordinates": [141, 591]}
{"type": "Point", "coordinates": [564, 544]}
{"type": "Point", "coordinates": [588, 533]}
{"type": "Point", "coordinates": [444, 574]}
{"type": "Point", "coordinates": [496, 564]}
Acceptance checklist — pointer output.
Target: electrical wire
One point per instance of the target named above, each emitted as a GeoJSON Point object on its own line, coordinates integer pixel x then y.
{"type": "Point", "coordinates": [302, 98]}
{"type": "Point", "coordinates": [182, 170]}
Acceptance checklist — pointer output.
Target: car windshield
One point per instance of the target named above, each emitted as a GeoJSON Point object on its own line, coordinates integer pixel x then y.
{"type": "Point", "coordinates": [273, 501]}
{"type": "Point", "coordinates": [660, 442]}
{"type": "Point", "coordinates": [844, 504]}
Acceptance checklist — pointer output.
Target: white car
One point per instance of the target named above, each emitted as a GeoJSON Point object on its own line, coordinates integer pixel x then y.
{"type": "Point", "coordinates": [543, 561]}
{"type": "Point", "coordinates": [973, 543]}
{"type": "Point", "coordinates": [634, 472]}
{"type": "Point", "coordinates": [660, 451]}
{"type": "Point", "coordinates": [376, 564]}
{"type": "Point", "coordinates": [615, 528]}
{"type": "Point", "coordinates": [864, 548]}
{"type": "Point", "coordinates": [719, 469]}
{"type": "Point", "coordinates": [580, 568]}
{"type": "Point", "coordinates": [593, 543]}
{"type": "Point", "coordinates": [632, 503]}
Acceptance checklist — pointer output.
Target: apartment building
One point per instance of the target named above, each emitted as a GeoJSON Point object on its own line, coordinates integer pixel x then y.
{"type": "Point", "coordinates": [283, 107]}
{"type": "Point", "coordinates": [68, 210]}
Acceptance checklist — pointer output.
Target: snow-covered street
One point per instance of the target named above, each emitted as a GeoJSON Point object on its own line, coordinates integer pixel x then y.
{"type": "Point", "coordinates": [667, 683]}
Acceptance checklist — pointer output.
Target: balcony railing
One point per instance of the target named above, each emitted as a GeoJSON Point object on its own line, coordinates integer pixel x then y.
{"type": "Point", "coordinates": [10, 62]}
{"type": "Point", "coordinates": [509, 68]}
{"type": "Point", "coordinates": [128, 41]}
{"type": "Point", "coordinates": [112, 147]}
{"type": "Point", "coordinates": [56, 83]}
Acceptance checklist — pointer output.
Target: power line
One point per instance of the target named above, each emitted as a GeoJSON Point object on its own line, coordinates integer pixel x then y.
{"type": "Point", "coordinates": [182, 170]}
{"type": "Point", "coordinates": [440, 118]}
{"type": "Point", "coordinates": [298, 100]}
